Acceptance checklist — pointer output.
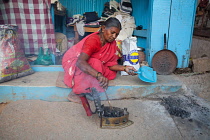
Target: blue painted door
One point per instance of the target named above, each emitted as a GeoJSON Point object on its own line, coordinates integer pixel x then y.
{"type": "Point", "coordinates": [159, 23]}
{"type": "Point", "coordinates": [176, 19]}
{"type": "Point", "coordinates": [181, 29]}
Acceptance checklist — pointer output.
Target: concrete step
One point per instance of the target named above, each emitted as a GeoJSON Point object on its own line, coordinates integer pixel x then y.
{"type": "Point", "coordinates": [42, 85]}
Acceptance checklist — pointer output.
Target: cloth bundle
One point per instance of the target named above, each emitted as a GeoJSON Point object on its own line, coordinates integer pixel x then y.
{"type": "Point", "coordinates": [108, 9]}
{"type": "Point", "coordinates": [90, 17]}
{"type": "Point", "coordinates": [128, 24]}
{"type": "Point", "coordinates": [126, 6]}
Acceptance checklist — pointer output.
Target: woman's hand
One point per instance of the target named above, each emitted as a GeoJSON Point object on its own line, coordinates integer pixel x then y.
{"type": "Point", "coordinates": [130, 70]}
{"type": "Point", "coordinates": [103, 81]}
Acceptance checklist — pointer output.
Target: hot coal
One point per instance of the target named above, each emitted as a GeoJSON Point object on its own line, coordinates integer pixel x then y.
{"type": "Point", "coordinates": [114, 112]}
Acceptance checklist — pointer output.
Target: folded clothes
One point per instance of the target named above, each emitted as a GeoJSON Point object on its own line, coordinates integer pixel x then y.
{"type": "Point", "coordinates": [92, 26]}
{"type": "Point", "coordinates": [93, 23]}
{"type": "Point", "coordinates": [74, 19]}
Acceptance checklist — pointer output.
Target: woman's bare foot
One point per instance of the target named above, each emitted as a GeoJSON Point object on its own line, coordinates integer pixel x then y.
{"type": "Point", "coordinates": [74, 98]}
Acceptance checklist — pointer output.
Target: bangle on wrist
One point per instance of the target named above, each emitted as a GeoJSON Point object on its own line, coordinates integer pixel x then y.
{"type": "Point", "coordinates": [125, 68]}
{"type": "Point", "coordinates": [97, 75]}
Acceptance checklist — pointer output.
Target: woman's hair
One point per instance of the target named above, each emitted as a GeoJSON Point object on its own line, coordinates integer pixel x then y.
{"type": "Point", "coordinates": [112, 22]}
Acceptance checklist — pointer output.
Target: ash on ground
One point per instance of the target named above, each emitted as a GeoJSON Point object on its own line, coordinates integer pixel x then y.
{"type": "Point", "coordinates": [187, 107]}
{"type": "Point", "coordinates": [176, 107]}
{"type": "Point", "coordinates": [191, 115]}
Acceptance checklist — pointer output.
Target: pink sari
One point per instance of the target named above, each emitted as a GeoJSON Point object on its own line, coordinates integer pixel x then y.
{"type": "Point", "coordinates": [100, 61]}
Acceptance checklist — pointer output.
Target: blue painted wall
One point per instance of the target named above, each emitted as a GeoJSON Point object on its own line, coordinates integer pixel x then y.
{"type": "Point", "coordinates": [142, 14]}
{"type": "Point", "coordinates": [141, 11]}
{"type": "Point", "coordinates": [82, 6]}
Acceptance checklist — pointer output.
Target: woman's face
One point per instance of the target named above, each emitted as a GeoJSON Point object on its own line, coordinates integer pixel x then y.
{"type": "Point", "coordinates": [110, 34]}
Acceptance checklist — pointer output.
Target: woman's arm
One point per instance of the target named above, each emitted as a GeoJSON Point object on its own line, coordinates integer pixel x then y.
{"type": "Point", "coordinates": [86, 68]}
{"type": "Point", "coordinates": [128, 69]}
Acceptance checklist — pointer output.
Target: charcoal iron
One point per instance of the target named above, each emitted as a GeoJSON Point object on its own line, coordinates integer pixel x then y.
{"type": "Point", "coordinates": [110, 117]}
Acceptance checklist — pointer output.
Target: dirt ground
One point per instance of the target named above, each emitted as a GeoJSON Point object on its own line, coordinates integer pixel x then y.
{"type": "Point", "coordinates": [2, 106]}
{"type": "Point", "coordinates": [190, 110]}
{"type": "Point", "coordinates": [197, 83]}
{"type": "Point", "coordinates": [190, 113]}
